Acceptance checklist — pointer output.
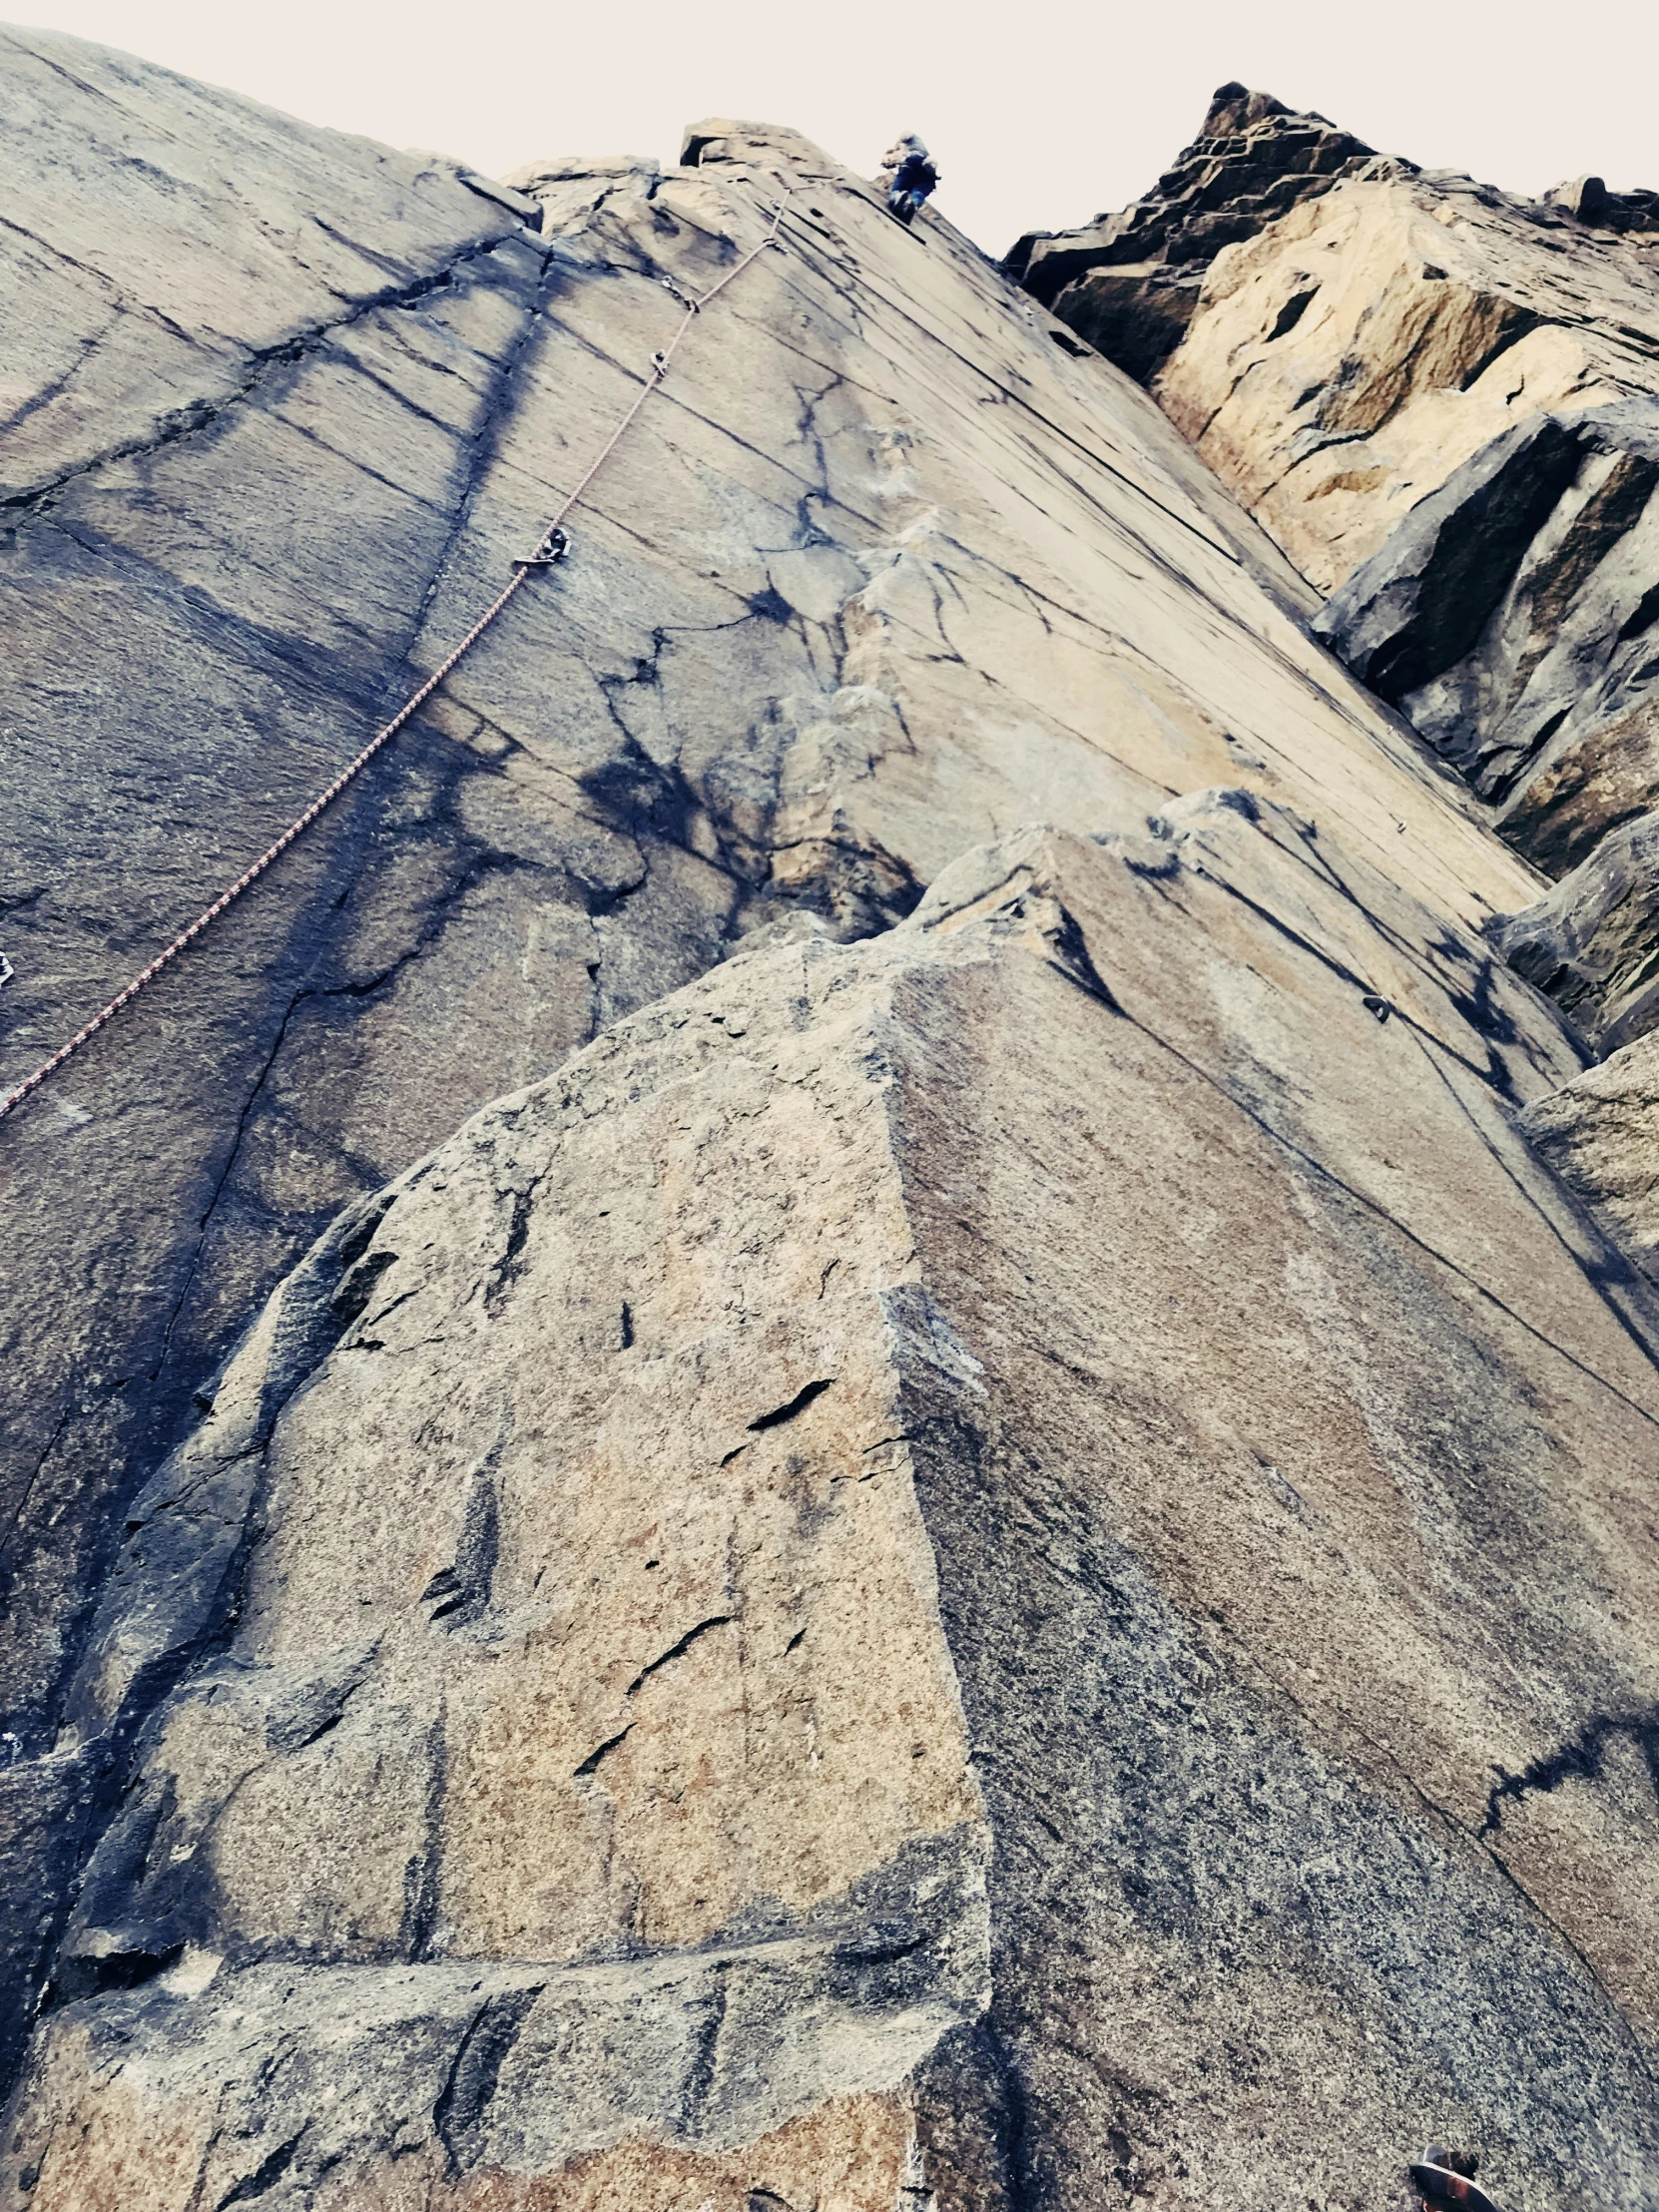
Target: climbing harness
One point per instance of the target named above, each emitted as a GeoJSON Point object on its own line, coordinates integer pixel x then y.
{"type": "Point", "coordinates": [551, 549]}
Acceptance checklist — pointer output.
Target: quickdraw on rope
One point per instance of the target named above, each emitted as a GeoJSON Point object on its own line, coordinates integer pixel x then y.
{"type": "Point", "coordinates": [552, 547]}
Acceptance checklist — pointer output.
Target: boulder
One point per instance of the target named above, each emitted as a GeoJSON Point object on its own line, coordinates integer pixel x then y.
{"type": "Point", "coordinates": [1588, 199]}
{"type": "Point", "coordinates": [992, 1564]}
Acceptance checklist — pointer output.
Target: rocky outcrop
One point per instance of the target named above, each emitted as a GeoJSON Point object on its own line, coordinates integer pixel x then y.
{"type": "Point", "coordinates": [1588, 199]}
{"type": "Point", "coordinates": [1514, 617]}
{"type": "Point", "coordinates": [882, 572]}
{"type": "Point", "coordinates": [1129, 282]}
{"type": "Point", "coordinates": [793, 1628]}
{"type": "Point", "coordinates": [1594, 942]}
{"type": "Point", "coordinates": [1348, 359]}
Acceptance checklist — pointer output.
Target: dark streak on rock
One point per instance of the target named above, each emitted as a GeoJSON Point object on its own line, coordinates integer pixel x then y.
{"type": "Point", "coordinates": [1579, 1758]}
{"type": "Point", "coordinates": [264, 2176]}
{"type": "Point", "coordinates": [464, 2103]}
{"type": "Point", "coordinates": [591, 1764]}
{"type": "Point", "coordinates": [714, 1620]}
{"type": "Point", "coordinates": [700, 2075]}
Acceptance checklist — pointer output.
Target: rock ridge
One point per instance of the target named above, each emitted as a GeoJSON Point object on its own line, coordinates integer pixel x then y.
{"type": "Point", "coordinates": [1439, 399]}
{"type": "Point", "coordinates": [1130, 282]}
{"type": "Point", "coordinates": [1589, 199]}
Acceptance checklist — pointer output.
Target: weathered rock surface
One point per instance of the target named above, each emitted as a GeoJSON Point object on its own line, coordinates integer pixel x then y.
{"type": "Point", "coordinates": [234, 253]}
{"type": "Point", "coordinates": [999, 1550]}
{"type": "Point", "coordinates": [882, 572]}
{"type": "Point", "coordinates": [1349, 358]}
{"type": "Point", "coordinates": [1252, 161]}
{"type": "Point", "coordinates": [1594, 942]}
{"type": "Point", "coordinates": [1514, 616]}
{"type": "Point", "coordinates": [1600, 1133]}
{"type": "Point", "coordinates": [990, 1566]}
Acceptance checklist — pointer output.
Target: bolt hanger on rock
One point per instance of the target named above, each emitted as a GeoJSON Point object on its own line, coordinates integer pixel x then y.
{"type": "Point", "coordinates": [1444, 2181]}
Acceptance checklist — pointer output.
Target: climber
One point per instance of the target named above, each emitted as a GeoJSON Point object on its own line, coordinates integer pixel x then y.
{"type": "Point", "coordinates": [912, 176]}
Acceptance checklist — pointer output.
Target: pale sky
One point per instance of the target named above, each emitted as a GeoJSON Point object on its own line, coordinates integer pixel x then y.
{"type": "Point", "coordinates": [1039, 112]}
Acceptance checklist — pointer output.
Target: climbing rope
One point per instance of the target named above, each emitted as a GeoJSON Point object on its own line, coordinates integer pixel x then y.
{"type": "Point", "coordinates": [552, 547]}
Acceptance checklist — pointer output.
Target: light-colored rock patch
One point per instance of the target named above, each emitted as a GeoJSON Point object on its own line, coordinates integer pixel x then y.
{"type": "Point", "coordinates": [1344, 361]}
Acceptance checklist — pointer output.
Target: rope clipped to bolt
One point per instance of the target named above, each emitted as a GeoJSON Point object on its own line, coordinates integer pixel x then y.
{"type": "Point", "coordinates": [550, 548]}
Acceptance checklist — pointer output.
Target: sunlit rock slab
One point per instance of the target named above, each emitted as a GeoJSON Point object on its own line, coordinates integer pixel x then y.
{"type": "Point", "coordinates": [1344, 361]}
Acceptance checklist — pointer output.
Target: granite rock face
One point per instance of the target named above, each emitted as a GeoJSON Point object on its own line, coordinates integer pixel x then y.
{"type": "Point", "coordinates": [882, 571]}
{"type": "Point", "coordinates": [989, 1543]}
{"type": "Point", "coordinates": [1348, 359]}
{"type": "Point", "coordinates": [1594, 942]}
{"type": "Point", "coordinates": [1442, 402]}
{"type": "Point", "coordinates": [1130, 282]}
{"type": "Point", "coordinates": [1514, 617]}
{"type": "Point", "coordinates": [778, 1646]}
{"type": "Point", "coordinates": [1600, 1133]}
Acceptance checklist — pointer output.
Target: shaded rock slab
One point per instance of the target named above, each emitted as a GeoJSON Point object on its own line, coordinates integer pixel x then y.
{"type": "Point", "coordinates": [1593, 943]}
{"type": "Point", "coordinates": [1600, 1133]}
{"type": "Point", "coordinates": [1135, 317]}
{"type": "Point", "coordinates": [1006, 1561]}
{"type": "Point", "coordinates": [1514, 616]}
